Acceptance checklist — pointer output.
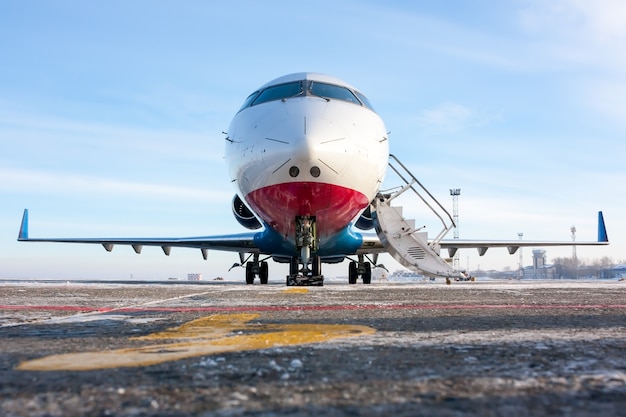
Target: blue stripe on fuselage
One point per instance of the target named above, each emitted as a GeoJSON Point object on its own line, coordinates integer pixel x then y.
{"type": "Point", "coordinates": [346, 242]}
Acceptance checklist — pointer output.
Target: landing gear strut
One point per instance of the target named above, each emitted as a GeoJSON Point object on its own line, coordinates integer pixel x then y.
{"type": "Point", "coordinates": [306, 244]}
{"type": "Point", "coordinates": [360, 268]}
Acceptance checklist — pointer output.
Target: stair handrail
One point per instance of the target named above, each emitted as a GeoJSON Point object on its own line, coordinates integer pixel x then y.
{"type": "Point", "coordinates": [409, 184]}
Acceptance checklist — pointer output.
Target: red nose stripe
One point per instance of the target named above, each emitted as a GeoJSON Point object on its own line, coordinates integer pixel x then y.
{"type": "Point", "coordinates": [334, 206]}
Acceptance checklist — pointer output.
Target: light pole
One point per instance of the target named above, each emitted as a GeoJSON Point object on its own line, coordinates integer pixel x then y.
{"type": "Point", "coordinates": [521, 257]}
{"type": "Point", "coordinates": [455, 193]}
{"type": "Point", "coordinates": [574, 257]}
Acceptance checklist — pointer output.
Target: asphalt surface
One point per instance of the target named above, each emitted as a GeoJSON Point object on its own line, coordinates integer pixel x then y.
{"type": "Point", "coordinates": [227, 349]}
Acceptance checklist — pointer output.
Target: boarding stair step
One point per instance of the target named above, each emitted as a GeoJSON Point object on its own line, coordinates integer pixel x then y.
{"type": "Point", "coordinates": [410, 246]}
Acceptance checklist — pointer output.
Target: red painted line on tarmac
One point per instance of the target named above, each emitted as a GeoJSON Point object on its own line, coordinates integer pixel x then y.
{"type": "Point", "coordinates": [57, 308]}
{"type": "Point", "coordinates": [316, 307]}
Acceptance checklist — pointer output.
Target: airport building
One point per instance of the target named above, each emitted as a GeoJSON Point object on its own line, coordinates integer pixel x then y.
{"type": "Point", "coordinates": [539, 269]}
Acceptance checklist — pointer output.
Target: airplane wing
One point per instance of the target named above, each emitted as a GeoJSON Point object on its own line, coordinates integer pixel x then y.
{"type": "Point", "coordinates": [245, 242]}
{"type": "Point", "coordinates": [372, 244]}
{"type": "Point", "coordinates": [452, 245]}
{"type": "Point", "coordinates": [242, 242]}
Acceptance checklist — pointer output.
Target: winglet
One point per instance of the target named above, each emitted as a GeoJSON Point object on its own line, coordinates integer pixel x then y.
{"type": "Point", "coordinates": [24, 227]}
{"type": "Point", "coordinates": [602, 235]}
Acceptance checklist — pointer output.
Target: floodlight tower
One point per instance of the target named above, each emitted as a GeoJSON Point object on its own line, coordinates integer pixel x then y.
{"type": "Point", "coordinates": [521, 257]}
{"type": "Point", "coordinates": [574, 258]}
{"type": "Point", "coordinates": [573, 230]}
{"type": "Point", "coordinates": [455, 193]}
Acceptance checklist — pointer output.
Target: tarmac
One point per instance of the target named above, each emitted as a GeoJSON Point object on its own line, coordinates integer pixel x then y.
{"type": "Point", "coordinates": [515, 348]}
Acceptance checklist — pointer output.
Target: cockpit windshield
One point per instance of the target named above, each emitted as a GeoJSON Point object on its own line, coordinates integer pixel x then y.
{"type": "Point", "coordinates": [332, 91]}
{"type": "Point", "coordinates": [309, 88]}
{"type": "Point", "coordinates": [278, 92]}
{"type": "Point", "coordinates": [364, 100]}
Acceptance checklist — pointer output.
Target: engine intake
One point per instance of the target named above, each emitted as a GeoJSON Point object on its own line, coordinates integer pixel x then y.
{"type": "Point", "coordinates": [244, 215]}
{"type": "Point", "coordinates": [365, 220]}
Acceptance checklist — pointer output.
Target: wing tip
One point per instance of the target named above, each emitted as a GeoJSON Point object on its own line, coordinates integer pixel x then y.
{"type": "Point", "coordinates": [602, 235]}
{"type": "Point", "coordinates": [23, 235]}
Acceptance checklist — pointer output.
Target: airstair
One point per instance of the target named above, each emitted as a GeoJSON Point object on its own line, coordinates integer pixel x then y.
{"type": "Point", "coordinates": [409, 245]}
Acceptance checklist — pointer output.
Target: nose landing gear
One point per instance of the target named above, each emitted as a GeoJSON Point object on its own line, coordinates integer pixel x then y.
{"type": "Point", "coordinates": [306, 243]}
{"type": "Point", "coordinates": [308, 275]}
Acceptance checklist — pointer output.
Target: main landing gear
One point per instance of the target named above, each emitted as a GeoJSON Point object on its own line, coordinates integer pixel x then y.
{"type": "Point", "coordinates": [254, 268]}
{"type": "Point", "coordinates": [361, 269]}
{"type": "Point", "coordinates": [306, 268]}
{"type": "Point", "coordinates": [307, 275]}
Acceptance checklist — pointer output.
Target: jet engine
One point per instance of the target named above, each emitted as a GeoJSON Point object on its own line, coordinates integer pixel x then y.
{"type": "Point", "coordinates": [244, 215]}
{"type": "Point", "coordinates": [365, 220]}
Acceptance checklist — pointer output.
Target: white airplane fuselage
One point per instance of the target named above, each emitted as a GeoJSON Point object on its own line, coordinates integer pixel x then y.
{"type": "Point", "coordinates": [307, 155]}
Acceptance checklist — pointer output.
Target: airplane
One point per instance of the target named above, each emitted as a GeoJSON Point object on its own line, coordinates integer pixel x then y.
{"type": "Point", "coordinates": [307, 154]}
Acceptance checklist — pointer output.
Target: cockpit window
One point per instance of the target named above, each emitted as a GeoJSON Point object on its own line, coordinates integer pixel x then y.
{"type": "Point", "coordinates": [309, 88]}
{"type": "Point", "coordinates": [364, 100]}
{"type": "Point", "coordinates": [278, 92]}
{"type": "Point", "coordinates": [333, 91]}
{"type": "Point", "coordinates": [249, 100]}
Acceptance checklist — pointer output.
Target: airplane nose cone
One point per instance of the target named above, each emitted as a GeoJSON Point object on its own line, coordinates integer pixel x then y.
{"type": "Point", "coordinates": [304, 149]}
{"type": "Point", "coordinates": [321, 146]}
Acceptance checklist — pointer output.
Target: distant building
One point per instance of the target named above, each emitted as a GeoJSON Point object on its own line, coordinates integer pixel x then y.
{"type": "Point", "coordinates": [194, 277]}
{"type": "Point", "coordinates": [617, 271]}
{"type": "Point", "coordinates": [405, 273]}
{"type": "Point", "coordinates": [620, 270]}
{"type": "Point", "coordinates": [539, 269]}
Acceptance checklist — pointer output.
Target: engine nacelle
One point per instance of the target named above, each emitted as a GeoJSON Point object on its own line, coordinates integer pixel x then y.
{"type": "Point", "coordinates": [365, 220]}
{"type": "Point", "coordinates": [244, 215]}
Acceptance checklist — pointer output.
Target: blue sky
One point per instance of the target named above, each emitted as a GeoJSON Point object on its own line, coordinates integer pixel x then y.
{"type": "Point", "coordinates": [111, 116]}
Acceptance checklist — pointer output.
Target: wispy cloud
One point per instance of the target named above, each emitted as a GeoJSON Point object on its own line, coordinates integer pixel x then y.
{"type": "Point", "coordinates": [451, 117]}
{"type": "Point", "coordinates": [448, 117]}
{"type": "Point", "coordinates": [608, 98]}
{"type": "Point", "coordinates": [28, 130]}
{"type": "Point", "coordinates": [58, 184]}
{"type": "Point", "coordinates": [579, 31]}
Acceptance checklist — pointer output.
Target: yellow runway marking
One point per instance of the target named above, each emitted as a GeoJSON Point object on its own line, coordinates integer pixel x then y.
{"type": "Point", "coordinates": [209, 335]}
{"type": "Point", "coordinates": [296, 291]}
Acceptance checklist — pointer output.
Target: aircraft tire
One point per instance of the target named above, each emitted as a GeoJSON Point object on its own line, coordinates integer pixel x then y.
{"type": "Point", "coordinates": [352, 273]}
{"type": "Point", "coordinates": [316, 266]}
{"type": "Point", "coordinates": [264, 275]}
{"type": "Point", "coordinates": [249, 273]}
{"type": "Point", "coordinates": [367, 276]}
{"type": "Point", "coordinates": [293, 266]}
